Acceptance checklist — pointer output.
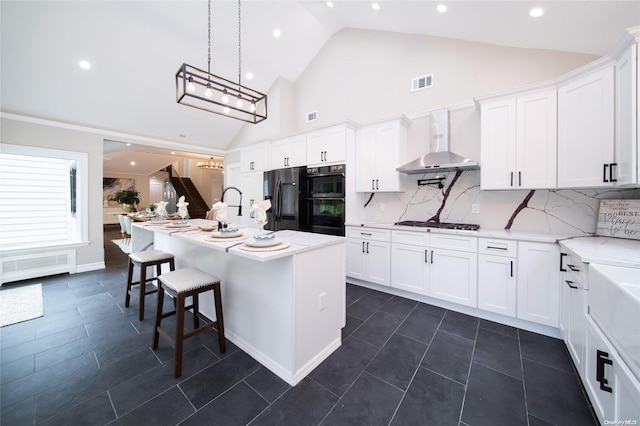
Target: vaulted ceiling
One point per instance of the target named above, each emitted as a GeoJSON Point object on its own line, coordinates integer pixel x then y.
{"type": "Point", "coordinates": [136, 47]}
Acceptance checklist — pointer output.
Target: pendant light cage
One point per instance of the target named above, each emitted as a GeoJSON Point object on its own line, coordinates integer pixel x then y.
{"type": "Point", "coordinates": [200, 89]}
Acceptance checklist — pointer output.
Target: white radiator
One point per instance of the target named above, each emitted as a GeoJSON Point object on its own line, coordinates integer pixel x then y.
{"type": "Point", "coordinates": [33, 265]}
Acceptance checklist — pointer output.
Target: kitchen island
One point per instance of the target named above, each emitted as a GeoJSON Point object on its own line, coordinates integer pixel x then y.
{"type": "Point", "coordinates": [285, 308]}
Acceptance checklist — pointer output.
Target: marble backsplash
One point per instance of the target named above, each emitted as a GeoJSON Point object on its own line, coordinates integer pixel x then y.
{"type": "Point", "coordinates": [563, 211]}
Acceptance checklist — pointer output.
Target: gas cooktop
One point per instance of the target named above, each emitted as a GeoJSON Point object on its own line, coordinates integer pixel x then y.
{"type": "Point", "coordinates": [441, 225]}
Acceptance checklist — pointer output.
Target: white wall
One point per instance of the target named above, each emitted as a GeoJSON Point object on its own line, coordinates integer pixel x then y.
{"type": "Point", "coordinates": [37, 135]}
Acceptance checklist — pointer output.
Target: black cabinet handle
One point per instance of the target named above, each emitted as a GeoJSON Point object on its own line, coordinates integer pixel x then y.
{"type": "Point", "coordinates": [363, 246]}
{"type": "Point", "coordinates": [611, 166]}
{"type": "Point", "coordinates": [373, 184]}
{"type": "Point", "coordinates": [573, 268]}
{"type": "Point", "coordinates": [569, 284]}
{"type": "Point", "coordinates": [519, 178]}
{"type": "Point", "coordinates": [497, 248]}
{"type": "Point", "coordinates": [377, 187]}
{"type": "Point", "coordinates": [602, 359]}
{"type": "Point", "coordinates": [511, 180]}
{"type": "Point", "coordinates": [365, 233]}
{"type": "Point", "coordinates": [367, 247]}
{"type": "Point", "coordinates": [562, 255]}
{"type": "Point", "coordinates": [431, 256]}
{"type": "Point", "coordinates": [604, 172]}
{"type": "Point", "coordinates": [426, 260]}
{"type": "Point", "coordinates": [511, 267]}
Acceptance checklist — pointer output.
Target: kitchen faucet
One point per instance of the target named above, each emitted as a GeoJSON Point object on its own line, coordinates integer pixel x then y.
{"type": "Point", "coordinates": [239, 192]}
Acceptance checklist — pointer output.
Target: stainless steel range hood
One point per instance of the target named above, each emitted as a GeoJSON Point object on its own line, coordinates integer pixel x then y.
{"type": "Point", "coordinates": [440, 159]}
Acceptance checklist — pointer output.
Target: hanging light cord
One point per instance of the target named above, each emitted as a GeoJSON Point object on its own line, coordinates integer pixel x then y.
{"type": "Point", "coordinates": [239, 51]}
{"type": "Point", "coordinates": [209, 40]}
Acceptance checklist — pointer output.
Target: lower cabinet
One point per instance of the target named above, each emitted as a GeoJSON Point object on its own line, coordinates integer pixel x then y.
{"type": "Point", "coordinates": [538, 274]}
{"type": "Point", "coordinates": [612, 387]}
{"type": "Point", "coordinates": [368, 254]}
{"type": "Point", "coordinates": [410, 268]}
{"type": "Point", "coordinates": [573, 307]}
{"type": "Point", "coordinates": [497, 276]}
{"type": "Point", "coordinates": [454, 276]}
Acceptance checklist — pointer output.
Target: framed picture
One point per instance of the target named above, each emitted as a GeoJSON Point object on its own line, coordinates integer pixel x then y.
{"type": "Point", "coordinates": [112, 185]}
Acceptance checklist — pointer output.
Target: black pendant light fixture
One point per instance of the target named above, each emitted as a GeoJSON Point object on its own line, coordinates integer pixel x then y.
{"type": "Point", "coordinates": [201, 89]}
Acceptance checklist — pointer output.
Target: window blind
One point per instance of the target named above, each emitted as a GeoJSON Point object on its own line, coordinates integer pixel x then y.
{"type": "Point", "coordinates": [35, 201]}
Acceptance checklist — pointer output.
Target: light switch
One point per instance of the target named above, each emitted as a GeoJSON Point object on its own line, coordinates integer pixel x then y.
{"type": "Point", "coordinates": [475, 208]}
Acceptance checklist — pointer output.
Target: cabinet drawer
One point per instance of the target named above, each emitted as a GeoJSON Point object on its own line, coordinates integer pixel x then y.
{"type": "Point", "coordinates": [497, 247]}
{"type": "Point", "coordinates": [408, 237]}
{"type": "Point", "coordinates": [454, 242]}
{"type": "Point", "coordinates": [371, 234]}
{"type": "Point", "coordinates": [573, 269]}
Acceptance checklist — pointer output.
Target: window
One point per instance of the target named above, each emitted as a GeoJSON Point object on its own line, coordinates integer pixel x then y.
{"type": "Point", "coordinates": [42, 197]}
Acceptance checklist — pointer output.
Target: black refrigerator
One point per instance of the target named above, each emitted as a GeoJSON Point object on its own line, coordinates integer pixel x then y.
{"type": "Point", "coordinates": [284, 187]}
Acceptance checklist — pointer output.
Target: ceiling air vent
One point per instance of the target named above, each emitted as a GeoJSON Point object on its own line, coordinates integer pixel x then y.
{"type": "Point", "coordinates": [312, 116]}
{"type": "Point", "coordinates": [423, 82]}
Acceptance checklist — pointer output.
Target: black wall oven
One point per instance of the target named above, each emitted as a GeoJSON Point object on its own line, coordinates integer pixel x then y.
{"type": "Point", "coordinates": [324, 200]}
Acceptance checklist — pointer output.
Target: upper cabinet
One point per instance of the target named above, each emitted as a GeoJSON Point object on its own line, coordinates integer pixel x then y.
{"type": "Point", "coordinates": [586, 152]}
{"type": "Point", "coordinates": [328, 145]}
{"type": "Point", "coordinates": [254, 157]}
{"type": "Point", "coordinates": [289, 152]}
{"type": "Point", "coordinates": [626, 96]}
{"type": "Point", "coordinates": [518, 141]}
{"type": "Point", "coordinates": [380, 148]}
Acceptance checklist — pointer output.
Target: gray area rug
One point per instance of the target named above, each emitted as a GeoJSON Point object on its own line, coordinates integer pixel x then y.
{"type": "Point", "coordinates": [20, 304]}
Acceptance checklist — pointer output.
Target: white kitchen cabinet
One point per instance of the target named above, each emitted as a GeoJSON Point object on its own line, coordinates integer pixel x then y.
{"type": "Point", "coordinates": [519, 141]}
{"type": "Point", "coordinates": [328, 145]}
{"type": "Point", "coordinates": [626, 103]}
{"type": "Point", "coordinates": [497, 276]}
{"type": "Point", "coordinates": [586, 154]}
{"type": "Point", "coordinates": [255, 157]}
{"type": "Point", "coordinates": [289, 152]}
{"type": "Point", "coordinates": [368, 255]}
{"type": "Point", "coordinates": [410, 268]}
{"type": "Point", "coordinates": [251, 185]}
{"type": "Point", "coordinates": [454, 276]}
{"type": "Point", "coordinates": [573, 306]}
{"type": "Point", "coordinates": [613, 390]}
{"type": "Point", "coordinates": [538, 277]}
{"type": "Point", "coordinates": [380, 149]}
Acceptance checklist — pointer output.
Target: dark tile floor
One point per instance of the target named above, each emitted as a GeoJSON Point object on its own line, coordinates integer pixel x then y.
{"type": "Point", "coordinates": [89, 361]}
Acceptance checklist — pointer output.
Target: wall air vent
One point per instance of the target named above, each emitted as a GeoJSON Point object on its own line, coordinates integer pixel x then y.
{"type": "Point", "coordinates": [312, 116]}
{"type": "Point", "coordinates": [423, 82]}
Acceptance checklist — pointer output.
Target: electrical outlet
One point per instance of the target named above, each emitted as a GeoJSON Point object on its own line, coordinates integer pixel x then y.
{"type": "Point", "coordinates": [322, 301]}
{"type": "Point", "coordinates": [475, 208]}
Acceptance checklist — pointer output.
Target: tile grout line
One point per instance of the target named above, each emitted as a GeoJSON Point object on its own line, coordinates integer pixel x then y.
{"type": "Point", "coordinates": [466, 386]}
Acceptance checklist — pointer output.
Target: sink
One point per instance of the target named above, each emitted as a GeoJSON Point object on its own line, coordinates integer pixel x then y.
{"type": "Point", "coordinates": [614, 304]}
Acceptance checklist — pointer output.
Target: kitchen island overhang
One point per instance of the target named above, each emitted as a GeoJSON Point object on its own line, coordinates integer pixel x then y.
{"type": "Point", "coordinates": [285, 308]}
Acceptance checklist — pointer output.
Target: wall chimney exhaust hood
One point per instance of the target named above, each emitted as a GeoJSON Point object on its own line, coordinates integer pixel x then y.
{"type": "Point", "coordinates": [440, 159]}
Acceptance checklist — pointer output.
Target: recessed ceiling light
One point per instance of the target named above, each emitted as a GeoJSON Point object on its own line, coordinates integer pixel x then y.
{"type": "Point", "coordinates": [536, 12]}
{"type": "Point", "coordinates": [128, 144]}
{"type": "Point", "coordinates": [173, 153]}
{"type": "Point", "coordinates": [249, 75]}
{"type": "Point", "coordinates": [133, 163]}
{"type": "Point", "coordinates": [329, 4]}
{"type": "Point", "coordinates": [85, 65]}
{"type": "Point", "coordinates": [375, 6]}
{"type": "Point", "coordinates": [441, 8]}
{"type": "Point", "coordinates": [276, 33]}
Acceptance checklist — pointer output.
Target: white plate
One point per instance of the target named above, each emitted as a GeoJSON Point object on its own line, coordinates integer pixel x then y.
{"type": "Point", "coordinates": [178, 225]}
{"type": "Point", "coordinates": [217, 234]}
{"type": "Point", "coordinates": [207, 228]}
{"type": "Point", "coordinates": [251, 242]}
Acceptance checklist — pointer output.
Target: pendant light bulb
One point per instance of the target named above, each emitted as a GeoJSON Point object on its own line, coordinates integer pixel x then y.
{"type": "Point", "coordinates": [190, 86]}
{"type": "Point", "coordinates": [226, 110]}
{"type": "Point", "coordinates": [225, 97]}
{"type": "Point", "coordinates": [239, 102]}
{"type": "Point", "coordinates": [252, 107]}
{"type": "Point", "coordinates": [208, 93]}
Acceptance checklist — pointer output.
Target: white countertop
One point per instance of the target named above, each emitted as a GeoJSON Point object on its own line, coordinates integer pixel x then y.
{"type": "Point", "coordinates": [481, 233]}
{"type": "Point", "coordinates": [605, 250]}
{"type": "Point", "coordinates": [300, 241]}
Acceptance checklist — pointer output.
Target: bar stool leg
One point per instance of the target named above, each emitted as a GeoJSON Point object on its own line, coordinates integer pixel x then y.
{"type": "Point", "coordinates": [143, 286]}
{"type": "Point", "coordinates": [160, 302]}
{"type": "Point", "coordinates": [127, 299]}
{"type": "Point", "coordinates": [218, 302]}
{"type": "Point", "coordinates": [179, 334]}
{"type": "Point", "coordinates": [196, 317]}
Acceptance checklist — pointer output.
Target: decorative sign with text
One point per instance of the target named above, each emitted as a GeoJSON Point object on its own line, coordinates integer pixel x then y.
{"type": "Point", "coordinates": [619, 218]}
